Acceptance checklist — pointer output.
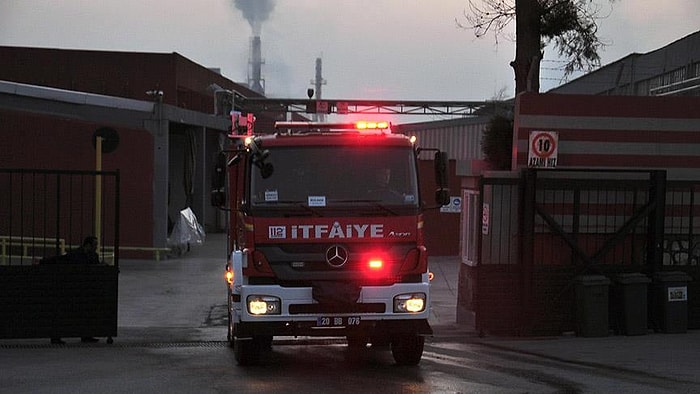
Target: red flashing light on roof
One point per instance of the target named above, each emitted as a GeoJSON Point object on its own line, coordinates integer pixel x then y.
{"type": "Point", "coordinates": [250, 124]}
{"type": "Point", "coordinates": [242, 124]}
{"type": "Point", "coordinates": [370, 125]}
{"type": "Point", "coordinates": [361, 126]}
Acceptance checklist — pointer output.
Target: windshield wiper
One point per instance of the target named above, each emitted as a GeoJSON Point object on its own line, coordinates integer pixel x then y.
{"type": "Point", "coordinates": [352, 200]}
{"type": "Point", "coordinates": [376, 203]}
{"type": "Point", "coordinates": [299, 204]}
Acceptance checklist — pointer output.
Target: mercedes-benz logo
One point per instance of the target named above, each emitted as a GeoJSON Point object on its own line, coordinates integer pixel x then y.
{"type": "Point", "coordinates": [336, 256]}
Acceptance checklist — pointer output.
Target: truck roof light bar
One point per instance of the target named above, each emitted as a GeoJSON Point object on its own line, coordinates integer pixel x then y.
{"type": "Point", "coordinates": [361, 126]}
{"type": "Point", "coordinates": [370, 125]}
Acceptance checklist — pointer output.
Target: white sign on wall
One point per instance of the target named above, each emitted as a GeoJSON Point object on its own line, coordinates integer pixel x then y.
{"type": "Point", "coordinates": [485, 219]}
{"type": "Point", "coordinates": [455, 205]}
{"type": "Point", "coordinates": [543, 151]}
{"type": "Point", "coordinates": [679, 293]}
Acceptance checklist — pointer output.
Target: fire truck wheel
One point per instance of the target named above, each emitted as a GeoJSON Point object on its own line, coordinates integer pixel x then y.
{"type": "Point", "coordinates": [246, 351]}
{"type": "Point", "coordinates": [229, 334]}
{"type": "Point", "coordinates": [231, 330]}
{"type": "Point", "coordinates": [407, 349]}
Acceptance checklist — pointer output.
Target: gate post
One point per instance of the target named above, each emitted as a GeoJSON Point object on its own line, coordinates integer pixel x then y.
{"type": "Point", "coordinates": [655, 230]}
{"type": "Point", "coordinates": [527, 244]}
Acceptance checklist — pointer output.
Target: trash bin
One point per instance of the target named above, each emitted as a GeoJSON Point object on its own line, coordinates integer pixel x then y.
{"type": "Point", "coordinates": [671, 301]}
{"type": "Point", "coordinates": [591, 293]}
{"type": "Point", "coordinates": [629, 295]}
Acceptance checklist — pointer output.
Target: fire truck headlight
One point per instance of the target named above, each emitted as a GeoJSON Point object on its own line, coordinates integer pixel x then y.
{"type": "Point", "coordinates": [263, 305]}
{"type": "Point", "coordinates": [409, 303]}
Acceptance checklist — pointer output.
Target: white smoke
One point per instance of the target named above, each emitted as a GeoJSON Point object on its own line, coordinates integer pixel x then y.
{"type": "Point", "coordinates": [255, 12]}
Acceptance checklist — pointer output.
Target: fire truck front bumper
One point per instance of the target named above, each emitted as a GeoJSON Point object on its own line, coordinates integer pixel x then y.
{"type": "Point", "coordinates": [397, 309]}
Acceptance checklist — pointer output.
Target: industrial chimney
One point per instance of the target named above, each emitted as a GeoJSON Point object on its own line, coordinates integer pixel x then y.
{"type": "Point", "coordinates": [318, 82]}
{"type": "Point", "coordinates": [255, 80]}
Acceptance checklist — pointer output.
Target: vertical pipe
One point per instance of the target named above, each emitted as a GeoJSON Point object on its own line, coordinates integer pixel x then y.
{"type": "Point", "coordinates": [59, 250]}
{"type": "Point", "coordinates": [98, 191]}
{"type": "Point", "coordinates": [116, 219]}
{"type": "Point", "coordinates": [319, 78]}
{"type": "Point", "coordinates": [576, 222]}
{"type": "Point", "coordinates": [527, 244]}
{"type": "Point", "coordinates": [655, 230]}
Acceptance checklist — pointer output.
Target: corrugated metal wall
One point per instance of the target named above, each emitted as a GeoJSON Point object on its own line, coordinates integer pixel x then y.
{"type": "Point", "coordinates": [460, 138]}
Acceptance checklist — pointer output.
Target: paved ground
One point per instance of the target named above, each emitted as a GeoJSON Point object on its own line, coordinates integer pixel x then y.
{"type": "Point", "coordinates": [161, 301]}
{"type": "Point", "coordinates": [669, 355]}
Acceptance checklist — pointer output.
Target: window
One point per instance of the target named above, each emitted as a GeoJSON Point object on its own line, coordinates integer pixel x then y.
{"type": "Point", "coordinates": [337, 176]}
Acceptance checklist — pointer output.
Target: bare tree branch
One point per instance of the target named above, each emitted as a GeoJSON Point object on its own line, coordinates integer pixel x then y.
{"type": "Point", "coordinates": [569, 25]}
{"type": "Point", "coordinates": [493, 16]}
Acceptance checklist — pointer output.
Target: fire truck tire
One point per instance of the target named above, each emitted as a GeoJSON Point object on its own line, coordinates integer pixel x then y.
{"type": "Point", "coordinates": [407, 349]}
{"type": "Point", "coordinates": [231, 330]}
{"type": "Point", "coordinates": [246, 351]}
{"type": "Point", "coordinates": [229, 334]}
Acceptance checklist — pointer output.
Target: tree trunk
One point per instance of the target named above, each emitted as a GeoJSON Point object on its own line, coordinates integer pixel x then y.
{"type": "Point", "coordinates": [527, 46]}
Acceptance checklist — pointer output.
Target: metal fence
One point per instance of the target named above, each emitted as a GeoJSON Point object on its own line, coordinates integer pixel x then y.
{"type": "Point", "coordinates": [43, 214]}
{"type": "Point", "coordinates": [681, 246]}
{"type": "Point", "coordinates": [590, 212]}
{"type": "Point", "coordinates": [536, 231]}
{"type": "Point", "coordinates": [46, 213]}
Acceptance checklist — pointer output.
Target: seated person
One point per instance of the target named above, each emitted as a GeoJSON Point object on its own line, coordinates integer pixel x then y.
{"type": "Point", "coordinates": [381, 189]}
{"type": "Point", "coordinates": [86, 253]}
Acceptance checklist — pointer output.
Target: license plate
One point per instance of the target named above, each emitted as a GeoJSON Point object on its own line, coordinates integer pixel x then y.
{"type": "Point", "coordinates": [338, 321]}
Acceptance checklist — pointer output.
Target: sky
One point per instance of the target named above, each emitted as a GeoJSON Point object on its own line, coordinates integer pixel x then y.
{"type": "Point", "coordinates": [371, 49]}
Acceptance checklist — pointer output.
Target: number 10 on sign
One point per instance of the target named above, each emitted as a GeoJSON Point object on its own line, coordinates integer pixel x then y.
{"type": "Point", "coordinates": [543, 149]}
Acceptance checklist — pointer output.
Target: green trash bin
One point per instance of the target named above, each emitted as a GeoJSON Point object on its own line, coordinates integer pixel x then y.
{"type": "Point", "coordinates": [671, 301]}
{"type": "Point", "coordinates": [591, 292]}
{"type": "Point", "coordinates": [629, 295]}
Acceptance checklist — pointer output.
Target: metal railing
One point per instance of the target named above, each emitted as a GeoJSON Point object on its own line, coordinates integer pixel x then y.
{"type": "Point", "coordinates": [45, 213]}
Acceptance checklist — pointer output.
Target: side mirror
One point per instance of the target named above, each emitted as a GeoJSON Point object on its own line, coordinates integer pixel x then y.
{"type": "Point", "coordinates": [218, 181]}
{"type": "Point", "coordinates": [442, 197]}
{"type": "Point", "coordinates": [442, 194]}
{"type": "Point", "coordinates": [441, 168]}
{"type": "Point", "coordinates": [266, 170]}
{"type": "Point", "coordinates": [259, 157]}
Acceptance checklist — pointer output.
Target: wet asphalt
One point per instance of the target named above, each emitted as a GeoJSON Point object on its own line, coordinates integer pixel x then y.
{"type": "Point", "coordinates": [181, 300]}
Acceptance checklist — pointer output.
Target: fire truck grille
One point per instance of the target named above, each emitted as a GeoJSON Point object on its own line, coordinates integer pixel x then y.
{"type": "Point", "coordinates": [307, 262]}
{"type": "Point", "coordinates": [298, 309]}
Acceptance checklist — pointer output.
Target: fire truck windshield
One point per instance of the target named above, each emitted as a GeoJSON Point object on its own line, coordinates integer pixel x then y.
{"type": "Point", "coordinates": [337, 176]}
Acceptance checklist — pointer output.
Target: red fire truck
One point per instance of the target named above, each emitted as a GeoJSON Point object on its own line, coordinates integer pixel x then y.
{"type": "Point", "coordinates": [326, 237]}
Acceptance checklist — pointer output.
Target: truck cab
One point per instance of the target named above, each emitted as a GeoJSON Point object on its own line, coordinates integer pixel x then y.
{"type": "Point", "coordinates": [326, 239]}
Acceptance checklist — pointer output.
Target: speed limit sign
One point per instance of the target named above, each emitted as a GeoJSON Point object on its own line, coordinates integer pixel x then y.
{"type": "Point", "coordinates": [543, 150]}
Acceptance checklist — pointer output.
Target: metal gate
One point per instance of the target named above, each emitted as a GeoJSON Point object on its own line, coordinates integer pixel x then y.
{"type": "Point", "coordinates": [540, 229]}
{"type": "Point", "coordinates": [44, 214]}
{"type": "Point", "coordinates": [581, 222]}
